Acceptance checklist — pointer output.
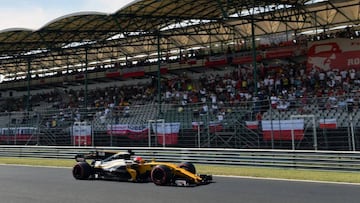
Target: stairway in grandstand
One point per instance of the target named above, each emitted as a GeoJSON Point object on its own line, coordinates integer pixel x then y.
{"type": "Point", "coordinates": [139, 114]}
{"type": "Point", "coordinates": [340, 114]}
{"type": "Point", "coordinates": [53, 130]}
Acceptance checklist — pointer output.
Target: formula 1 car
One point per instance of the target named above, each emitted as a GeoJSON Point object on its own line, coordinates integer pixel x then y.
{"type": "Point", "coordinates": [125, 166]}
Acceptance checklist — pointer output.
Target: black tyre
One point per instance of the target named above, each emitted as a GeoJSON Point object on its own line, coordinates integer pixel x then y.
{"type": "Point", "coordinates": [161, 175]}
{"type": "Point", "coordinates": [82, 171]}
{"type": "Point", "coordinates": [188, 166]}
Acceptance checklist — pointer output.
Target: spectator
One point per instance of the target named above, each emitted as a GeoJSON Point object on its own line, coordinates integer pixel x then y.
{"type": "Point", "coordinates": [127, 111]}
{"type": "Point", "coordinates": [204, 109]}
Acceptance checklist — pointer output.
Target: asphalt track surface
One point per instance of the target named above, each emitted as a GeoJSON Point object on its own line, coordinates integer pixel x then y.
{"type": "Point", "coordinates": [21, 184]}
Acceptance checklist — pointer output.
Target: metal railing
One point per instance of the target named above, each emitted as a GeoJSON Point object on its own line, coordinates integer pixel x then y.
{"type": "Point", "coordinates": [54, 127]}
{"type": "Point", "coordinates": [299, 159]}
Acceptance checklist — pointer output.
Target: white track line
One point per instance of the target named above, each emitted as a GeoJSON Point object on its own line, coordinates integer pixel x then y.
{"type": "Point", "coordinates": [226, 176]}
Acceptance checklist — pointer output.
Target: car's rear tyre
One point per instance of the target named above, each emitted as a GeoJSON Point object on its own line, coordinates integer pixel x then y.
{"type": "Point", "coordinates": [82, 171]}
{"type": "Point", "coordinates": [188, 166]}
{"type": "Point", "coordinates": [161, 175]}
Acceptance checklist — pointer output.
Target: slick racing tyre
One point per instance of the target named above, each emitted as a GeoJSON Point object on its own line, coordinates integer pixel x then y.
{"type": "Point", "coordinates": [82, 171]}
{"type": "Point", "coordinates": [161, 175]}
{"type": "Point", "coordinates": [188, 166]}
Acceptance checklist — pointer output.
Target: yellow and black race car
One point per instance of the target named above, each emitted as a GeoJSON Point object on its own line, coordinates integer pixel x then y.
{"type": "Point", "coordinates": [125, 166]}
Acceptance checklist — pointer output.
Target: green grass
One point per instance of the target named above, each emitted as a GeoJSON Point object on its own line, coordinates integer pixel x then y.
{"type": "Point", "coordinates": [348, 177]}
{"type": "Point", "coordinates": [38, 161]}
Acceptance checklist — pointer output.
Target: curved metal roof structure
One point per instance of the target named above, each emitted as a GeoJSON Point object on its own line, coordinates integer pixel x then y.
{"type": "Point", "coordinates": [135, 30]}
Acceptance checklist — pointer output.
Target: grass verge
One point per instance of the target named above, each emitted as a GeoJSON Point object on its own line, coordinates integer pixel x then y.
{"type": "Point", "coordinates": [294, 174]}
{"type": "Point", "coordinates": [348, 177]}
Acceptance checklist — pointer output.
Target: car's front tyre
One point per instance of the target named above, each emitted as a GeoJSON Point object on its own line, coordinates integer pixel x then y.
{"type": "Point", "coordinates": [161, 175]}
{"type": "Point", "coordinates": [82, 171]}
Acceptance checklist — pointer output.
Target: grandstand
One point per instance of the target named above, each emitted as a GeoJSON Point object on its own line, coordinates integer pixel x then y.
{"type": "Point", "coordinates": [212, 76]}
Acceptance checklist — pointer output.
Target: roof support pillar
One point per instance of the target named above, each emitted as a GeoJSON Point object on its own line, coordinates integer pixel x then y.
{"type": "Point", "coordinates": [86, 78]}
{"type": "Point", "coordinates": [28, 84]}
{"type": "Point", "coordinates": [159, 73]}
{"type": "Point", "coordinates": [254, 56]}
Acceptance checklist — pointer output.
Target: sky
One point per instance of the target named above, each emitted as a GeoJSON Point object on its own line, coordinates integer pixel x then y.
{"type": "Point", "coordinates": [33, 14]}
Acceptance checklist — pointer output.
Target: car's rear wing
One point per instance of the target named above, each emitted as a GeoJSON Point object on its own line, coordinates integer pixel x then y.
{"type": "Point", "coordinates": [100, 155]}
{"type": "Point", "coordinates": [95, 155]}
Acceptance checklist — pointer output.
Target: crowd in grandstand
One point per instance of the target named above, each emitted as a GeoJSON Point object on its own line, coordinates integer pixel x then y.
{"type": "Point", "coordinates": [283, 86]}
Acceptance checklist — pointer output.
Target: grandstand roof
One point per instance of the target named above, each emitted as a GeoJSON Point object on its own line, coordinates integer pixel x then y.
{"type": "Point", "coordinates": [102, 38]}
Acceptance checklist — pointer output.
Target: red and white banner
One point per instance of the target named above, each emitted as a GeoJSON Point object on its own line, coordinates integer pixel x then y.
{"type": "Point", "coordinates": [285, 52]}
{"type": "Point", "coordinates": [197, 125]}
{"type": "Point", "coordinates": [112, 74]}
{"type": "Point", "coordinates": [117, 129]}
{"type": "Point", "coordinates": [81, 133]}
{"type": "Point", "coordinates": [282, 129]}
{"type": "Point", "coordinates": [216, 61]}
{"type": "Point", "coordinates": [136, 71]}
{"type": "Point", "coordinates": [138, 132]}
{"type": "Point", "coordinates": [215, 126]}
{"type": "Point", "coordinates": [164, 68]}
{"type": "Point", "coordinates": [134, 132]}
{"type": "Point", "coordinates": [245, 57]}
{"type": "Point", "coordinates": [18, 134]}
{"type": "Point", "coordinates": [190, 61]}
{"type": "Point", "coordinates": [167, 133]}
{"type": "Point", "coordinates": [328, 123]}
{"type": "Point", "coordinates": [337, 53]}
{"type": "Point", "coordinates": [252, 124]}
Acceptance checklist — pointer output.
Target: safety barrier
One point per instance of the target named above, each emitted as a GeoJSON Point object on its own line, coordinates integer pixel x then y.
{"type": "Point", "coordinates": [317, 128]}
{"type": "Point", "coordinates": [299, 159]}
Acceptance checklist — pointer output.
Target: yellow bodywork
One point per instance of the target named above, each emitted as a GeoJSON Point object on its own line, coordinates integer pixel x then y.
{"type": "Point", "coordinates": [146, 167]}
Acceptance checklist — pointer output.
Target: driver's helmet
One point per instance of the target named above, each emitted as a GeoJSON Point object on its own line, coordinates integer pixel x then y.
{"type": "Point", "coordinates": [138, 159]}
